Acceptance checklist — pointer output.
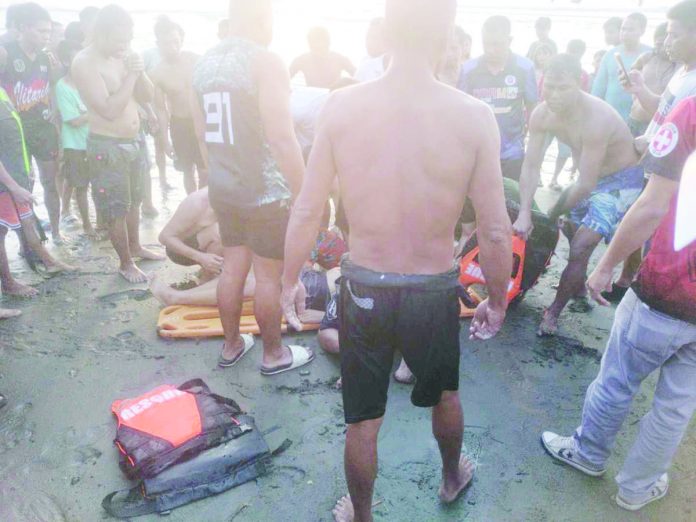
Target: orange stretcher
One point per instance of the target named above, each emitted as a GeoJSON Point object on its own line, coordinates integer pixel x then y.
{"type": "Point", "coordinates": [189, 322]}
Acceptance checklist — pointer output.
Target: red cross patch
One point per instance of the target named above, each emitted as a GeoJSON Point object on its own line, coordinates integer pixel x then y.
{"type": "Point", "coordinates": [665, 141]}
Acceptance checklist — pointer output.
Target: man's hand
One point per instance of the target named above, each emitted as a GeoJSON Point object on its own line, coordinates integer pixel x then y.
{"type": "Point", "coordinates": [22, 196]}
{"type": "Point", "coordinates": [292, 301]}
{"type": "Point", "coordinates": [135, 64]}
{"type": "Point", "coordinates": [634, 83]}
{"type": "Point", "coordinates": [487, 322]}
{"type": "Point", "coordinates": [523, 226]}
{"type": "Point", "coordinates": [600, 281]}
{"type": "Point", "coordinates": [211, 263]}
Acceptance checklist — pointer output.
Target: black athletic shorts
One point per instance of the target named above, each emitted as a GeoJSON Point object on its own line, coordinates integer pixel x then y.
{"type": "Point", "coordinates": [185, 143]}
{"type": "Point", "coordinates": [41, 139]}
{"type": "Point", "coordinates": [330, 319]}
{"type": "Point", "coordinates": [512, 168]}
{"type": "Point", "coordinates": [317, 287]}
{"type": "Point", "coordinates": [75, 168]}
{"type": "Point", "coordinates": [116, 167]}
{"type": "Point", "coordinates": [261, 229]}
{"type": "Point", "coordinates": [381, 313]}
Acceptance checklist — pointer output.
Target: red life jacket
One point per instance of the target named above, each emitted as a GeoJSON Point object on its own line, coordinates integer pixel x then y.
{"type": "Point", "coordinates": [167, 425]}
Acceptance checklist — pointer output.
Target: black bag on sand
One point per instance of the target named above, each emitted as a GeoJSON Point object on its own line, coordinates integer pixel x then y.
{"type": "Point", "coordinates": [211, 472]}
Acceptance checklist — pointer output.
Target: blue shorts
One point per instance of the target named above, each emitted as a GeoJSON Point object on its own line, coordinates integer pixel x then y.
{"type": "Point", "coordinates": [604, 209]}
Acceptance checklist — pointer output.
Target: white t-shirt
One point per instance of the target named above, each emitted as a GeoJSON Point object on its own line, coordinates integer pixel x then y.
{"type": "Point", "coordinates": [370, 69]}
{"type": "Point", "coordinates": [681, 86]}
{"type": "Point", "coordinates": [305, 105]}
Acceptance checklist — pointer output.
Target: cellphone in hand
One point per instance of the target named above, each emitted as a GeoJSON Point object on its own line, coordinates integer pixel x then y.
{"type": "Point", "coordinates": [622, 66]}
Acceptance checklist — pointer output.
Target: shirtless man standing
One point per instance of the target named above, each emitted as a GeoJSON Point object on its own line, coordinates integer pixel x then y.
{"type": "Point", "coordinates": [383, 141]}
{"type": "Point", "coordinates": [173, 80]}
{"type": "Point", "coordinates": [609, 181]}
{"type": "Point", "coordinates": [321, 66]}
{"type": "Point", "coordinates": [111, 81]}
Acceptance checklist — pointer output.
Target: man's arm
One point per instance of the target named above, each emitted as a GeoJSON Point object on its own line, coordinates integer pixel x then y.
{"type": "Point", "coordinates": [635, 85]}
{"type": "Point", "coordinates": [531, 170]}
{"type": "Point", "coordinates": [144, 91]}
{"type": "Point", "coordinates": [95, 94]}
{"type": "Point", "coordinates": [531, 92]}
{"type": "Point", "coordinates": [162, 112]}
{"type": "Point", "coordinates": [3, 59]}
{"type": "Point", "coordinates": [182, 225]}
{"type": "Point", "coordinates": [493, 227]}
{"type": "Point", "coordinates": [636, 228]}
{"type": "Point", "coordinates": [20, 195]}
{"type": "Point", "coordinates": [274, 104]}
{"type": "Point", "coordinates": [594, 150]}
{"type": "Point", "coordinates": [307, 212]}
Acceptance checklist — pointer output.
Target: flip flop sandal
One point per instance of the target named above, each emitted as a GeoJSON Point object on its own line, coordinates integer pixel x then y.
{"type": "Point", "coordinates": [229, 363]}
{"type": "Point", "coordinates": [300, 357]}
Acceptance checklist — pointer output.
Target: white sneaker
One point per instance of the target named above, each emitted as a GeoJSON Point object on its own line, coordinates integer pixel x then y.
{"type": "Point", "coordinates": [565, 450]}
{"type": "Point", "coordinates": [658, 491]}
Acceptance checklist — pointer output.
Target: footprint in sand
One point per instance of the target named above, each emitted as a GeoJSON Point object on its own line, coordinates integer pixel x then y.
{"type": "Point", "coordinates": [15, 427]}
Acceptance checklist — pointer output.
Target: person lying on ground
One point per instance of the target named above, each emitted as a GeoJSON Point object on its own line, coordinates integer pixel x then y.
{"type": "Point", "coordinates": [192, 236]}
{"type": "Point", "coordinates": [609, 180]}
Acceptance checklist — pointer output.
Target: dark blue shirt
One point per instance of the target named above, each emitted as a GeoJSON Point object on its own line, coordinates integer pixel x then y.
{"type": "Point", "coordinates": [507, 93]}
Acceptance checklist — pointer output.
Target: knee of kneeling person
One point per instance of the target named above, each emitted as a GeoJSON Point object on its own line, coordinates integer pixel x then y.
{"type": "Point", "coordinates": [328, 340]}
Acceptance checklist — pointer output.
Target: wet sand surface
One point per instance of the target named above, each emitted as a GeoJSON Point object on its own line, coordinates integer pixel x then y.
{"type": "Point", "coordinates": [90, 338]}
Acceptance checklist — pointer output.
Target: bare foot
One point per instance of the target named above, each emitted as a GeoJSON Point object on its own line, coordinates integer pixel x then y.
{"type": "Point", "coordinates": [339, 383]}
{"type": "Point", "coordinates": [19, 290]}
{"type": "Point", "coordinates": [343, 512]}
{"type": "Point", "coordinates": [56, 267]}
{"type": "Point", "coordinates": [7, 313]}
{"type": "Point", "coordinates": [548, 326]}
{"type": "Point", "coordinates": [161, 291]}
{"type": "Point", "coordinates": [60, 239]}
{"type": "Point", "coordinates": [144, 253]}
{"type": "Point", "coordinates": [403, 374]}
{"type": "Point", "coordinates": [133, 274]}
{"type": "Point", "coordinates": [90, 232]}
{"type": "Point", "coordinates": [450, 491]}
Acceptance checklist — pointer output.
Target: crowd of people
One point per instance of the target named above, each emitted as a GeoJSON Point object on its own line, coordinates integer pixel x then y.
{"type": "Point", "coordinates": [300, 198]}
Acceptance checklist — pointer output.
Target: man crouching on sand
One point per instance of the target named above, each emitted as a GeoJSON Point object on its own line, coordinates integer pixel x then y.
{"type": "Point", "coordinates": [111, 81]}
{"type": "Point", "coordinates": [384, 141]}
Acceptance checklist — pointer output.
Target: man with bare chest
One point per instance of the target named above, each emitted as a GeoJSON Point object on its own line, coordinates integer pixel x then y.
{"type": "Point", "coordinates": [609, 182]}
{"type": "Point", "coordinates": [173, 80]}
{"type": "Point", "coordinates": [321, 66]}
{"type": "Point", "coordinates": [111, 81]}
{"type": "Point", "coordinates": [384, 141]}
{"type": "Point", "coordinates": [192, 236]}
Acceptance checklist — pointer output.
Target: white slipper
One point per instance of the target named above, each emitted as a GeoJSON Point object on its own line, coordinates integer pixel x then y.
{"type": "Point", "coordinates": [248, 345]}
{"type": "Point", "coordinates": [300, 357]}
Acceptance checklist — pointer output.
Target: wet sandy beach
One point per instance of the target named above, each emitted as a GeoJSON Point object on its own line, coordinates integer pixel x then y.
{"type": "Point", "coordinates": [90, 338]}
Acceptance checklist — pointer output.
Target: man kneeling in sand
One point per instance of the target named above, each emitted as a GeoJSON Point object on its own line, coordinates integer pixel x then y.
{"type": "Point", "coordinates": [192, 236]}
{"type": "Point", "coordinates": [111, 81]}
{"type": "Point", "coordinates": [609, 182]}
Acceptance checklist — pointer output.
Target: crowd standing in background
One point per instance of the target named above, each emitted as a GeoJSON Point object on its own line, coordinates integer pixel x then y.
{"type": "Point", "coordinates": [299, 195]}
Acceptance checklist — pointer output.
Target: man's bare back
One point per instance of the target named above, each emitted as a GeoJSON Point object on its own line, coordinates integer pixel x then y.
{"type": "Point", "coordinates": [94, 73]}
{"type": "Point", "coordinates": [599, 123]}
{"type": "Point", "coordinates": [417, 144]}
{"type": "Point", "coordinates": [175, 80]}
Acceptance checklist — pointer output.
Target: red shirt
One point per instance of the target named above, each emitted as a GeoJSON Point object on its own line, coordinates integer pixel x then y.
{"type": "Point", "coordinates": [667, 279]}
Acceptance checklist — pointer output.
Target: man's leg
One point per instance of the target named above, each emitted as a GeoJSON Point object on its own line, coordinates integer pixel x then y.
{"type": "Point", "coordinates": [626, 362]}
{"type": "Point", "coordinates": [66, 197]}
{"type": "Point", "coordinates": [360, 462]}
{"type": "Point", "coordinates": [83, 207]}
{"type": "Point", "coordinates": [268, 312]}
{"type": "Point", "coordinates": [52, 265]}
{"type": "Point", "coordinates": [10, 286]}
{"type": "Point", "coordinates": [48, 171]}
{"type": "Point", "coordinates": [133, 237]}
{"type": "Point", "coordinates": [189, 180]}
{"type": "Point", "coordinates": [328, 340]}
{"type": "Point", "coordinates": [663, 428]}
{"type": "Point", "coordinates": [448, 429]}
{"type": "Point", "coordinates": [203, 295]}
{"type": "Point", "coordinates": [118, 234]}
{"type": "Point", "coordinates": [161, 161]}
{"type": "Point", "coordinates": [573, 278]}
{"type": "Point", "coordinates": [230, 292]}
